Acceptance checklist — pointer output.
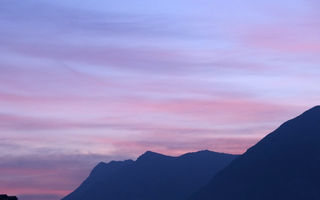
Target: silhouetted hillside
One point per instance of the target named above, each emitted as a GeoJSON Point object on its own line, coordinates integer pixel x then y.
{"type": "Point", "coordinates": [285, 165]}
{"type": "Point", "coordinates": [151, 177]}
{"type": "Point", "coordinates": [6, 197]}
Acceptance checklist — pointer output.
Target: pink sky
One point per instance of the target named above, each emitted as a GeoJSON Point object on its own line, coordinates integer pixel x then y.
{"type": "Point", "coordinates": [86, 82]}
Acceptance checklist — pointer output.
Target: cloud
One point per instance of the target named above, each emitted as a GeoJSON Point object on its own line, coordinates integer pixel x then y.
{"type": "Point", "coordinates": [67, 21]}
{"type": "Point", "coordinates": [38, 176]}
{"type": "Point", "coordinates": [34, 176]}
{"type": "Point", "coordinates": [69, 38]}
{"type": "Point", "coordinates": [219, 110]}
{"type": "Point", "coordinates": [290, 30]}
{"type": "Point", "coordinates": [79, 84]}
{"type": "Point", "coordinates": [40, 196]}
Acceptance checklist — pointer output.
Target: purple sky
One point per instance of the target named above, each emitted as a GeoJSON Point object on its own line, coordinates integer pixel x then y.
{"type": "Point", "coordinates": [89, 81]}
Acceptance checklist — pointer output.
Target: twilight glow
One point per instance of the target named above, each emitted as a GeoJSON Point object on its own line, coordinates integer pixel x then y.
{"type": "Point", "coordinates": [89, 81]}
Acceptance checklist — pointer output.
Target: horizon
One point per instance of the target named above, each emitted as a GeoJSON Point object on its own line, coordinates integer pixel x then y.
{"type": "Point", "coordinates": [212, 151]}
{"type": "Point", "coordinates": [85, 82]}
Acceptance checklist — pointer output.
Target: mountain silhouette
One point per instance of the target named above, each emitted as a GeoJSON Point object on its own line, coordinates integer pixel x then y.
{"type": "Point", "coordinates": [283, 165]}
{"type": "Point", "coordinates": [6, 197]}
{"type": "Point", "coordinates": [152, 176]}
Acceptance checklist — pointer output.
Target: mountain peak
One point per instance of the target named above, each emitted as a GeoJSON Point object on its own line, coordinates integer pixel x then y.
{"type": "Point", "coordinates": [301, 129]}
{"type": "Point", "coordinates": [150, 152]}
{"type": "Point", "coordinates": [283, 165]}
{"type": "Point", "coordinates": [317, 107]}
{"type": "Point", "coordinates": [315, 111]}
{"type": "Point", "coordinates": [206, 151]}
{"type": "Point", "coordinates": [201, 152]}
{"type": "Point", "coordinates": [310, 117]}
{"type": "Point", "coordinates": [153, 176]}
{"type": "Point", "coordinates": [101, 167]}
{"type": "Point", "coordinates": [150, 155]}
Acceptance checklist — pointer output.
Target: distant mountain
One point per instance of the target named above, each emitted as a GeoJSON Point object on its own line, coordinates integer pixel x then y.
{"type": "Point", "coordinates": [152, 176]}
{"type": "Point", "coordinates": [6, 197]}
{"type": "Point", "coordinates": [285, 165]}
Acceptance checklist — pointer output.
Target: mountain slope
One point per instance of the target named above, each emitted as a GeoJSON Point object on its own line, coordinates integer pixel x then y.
{"type": "Point", "coordinates": [151, 176]}
{"type": "Point", "coordinates": [283, 165]}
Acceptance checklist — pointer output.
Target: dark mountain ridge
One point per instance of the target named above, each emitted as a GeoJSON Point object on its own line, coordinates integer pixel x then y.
{"type": "Point", "coordinates": [152, 176]}
{"type": "Point", "coordinates": [283, 165]}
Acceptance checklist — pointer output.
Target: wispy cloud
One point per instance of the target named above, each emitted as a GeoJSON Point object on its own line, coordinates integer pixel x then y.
{"type": "Point", "coordinates": [85, 82]}
{"type": "Point", "coordinates": [34, 176]}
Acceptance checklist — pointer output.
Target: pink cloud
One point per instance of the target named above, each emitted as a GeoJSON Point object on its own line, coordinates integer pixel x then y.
{"type": "Point", "coordinates": [219, 111]}
{"type": "Point", "coordinates": [291, 33]}
{"type": "Point", "coordinates": [38, 176]}
{"type": "Point", "coordinates": [117, 85]}
{"type": "Point", "coordinates": [286, 40]}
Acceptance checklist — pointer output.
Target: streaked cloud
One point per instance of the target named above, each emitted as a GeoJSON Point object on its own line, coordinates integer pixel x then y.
{"type": "Point", "coordinates": [83, 82]}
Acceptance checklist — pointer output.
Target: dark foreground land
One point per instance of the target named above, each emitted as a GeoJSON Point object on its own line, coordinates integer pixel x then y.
{"type": "Point", "coordinates": [283, 165]}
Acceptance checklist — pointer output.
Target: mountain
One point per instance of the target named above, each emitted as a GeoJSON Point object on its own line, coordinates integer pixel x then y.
{"type": "Point", "coordinates": [283, 165]}
{"type": "Point", "coordinates": [6, 197]}
{"type": "Point", "coordinates": [152, 176]}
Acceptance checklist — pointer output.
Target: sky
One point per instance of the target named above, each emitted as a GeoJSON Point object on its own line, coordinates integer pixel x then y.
{"type": "Point", "coordinates": [89, 81]}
